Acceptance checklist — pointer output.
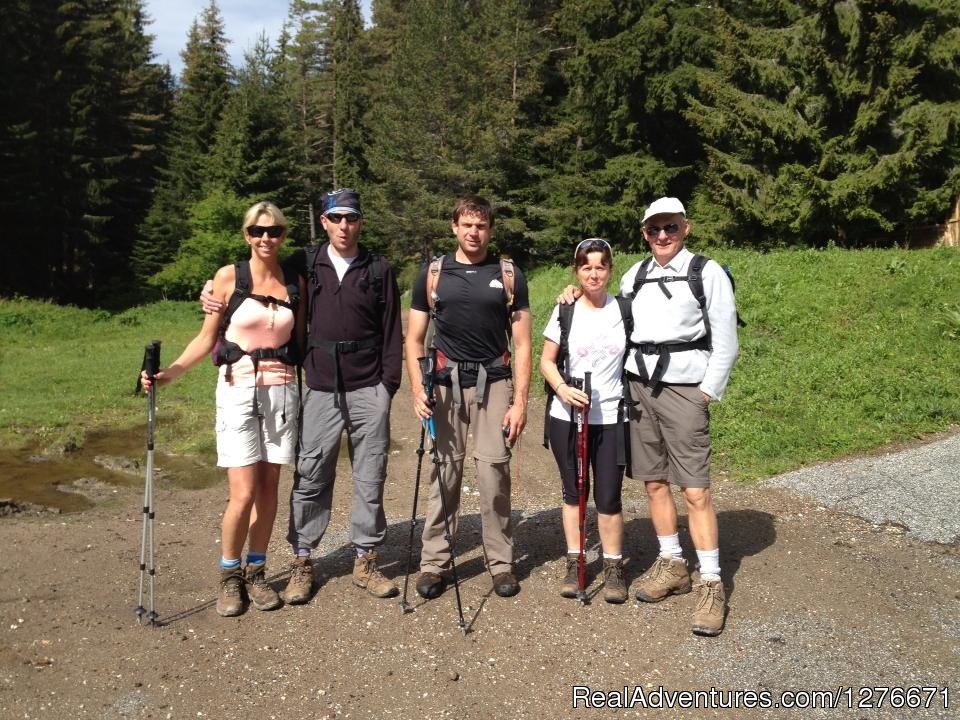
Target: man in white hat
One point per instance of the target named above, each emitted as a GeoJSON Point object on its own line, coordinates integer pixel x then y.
{"type": "Point", "coordinates": [680, 357]}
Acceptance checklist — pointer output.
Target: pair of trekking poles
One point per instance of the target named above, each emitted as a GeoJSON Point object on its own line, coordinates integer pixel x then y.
{"type": "Point", "coordinates": [151, 363]}
{"type": "Point", "coordinates": [427, 367]}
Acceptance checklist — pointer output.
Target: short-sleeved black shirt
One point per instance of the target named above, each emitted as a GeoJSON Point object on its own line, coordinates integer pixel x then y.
{"type": "Point", "coordinates": [472, 315]}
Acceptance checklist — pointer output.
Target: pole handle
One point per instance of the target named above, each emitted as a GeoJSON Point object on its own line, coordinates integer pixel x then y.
{"type": "Point", "coordinates": [151, 363]}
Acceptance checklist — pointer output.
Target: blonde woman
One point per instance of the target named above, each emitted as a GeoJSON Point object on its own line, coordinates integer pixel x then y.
{"type": "Point", "coordinates": [254, 339]}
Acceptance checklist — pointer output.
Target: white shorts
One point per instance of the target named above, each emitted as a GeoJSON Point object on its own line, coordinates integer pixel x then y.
{"type": "Point", "coordinates": [244, 437]}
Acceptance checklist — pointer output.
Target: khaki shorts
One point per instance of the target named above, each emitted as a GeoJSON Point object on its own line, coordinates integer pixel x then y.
{"type": "Point", "coordinates": [669, 435]}
{"type": "Point", "coordinates": [243, 437]}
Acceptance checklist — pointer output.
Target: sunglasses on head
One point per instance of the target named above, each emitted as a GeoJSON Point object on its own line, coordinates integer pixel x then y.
{"type": "Point", "coordinates": [591, 244]}
{"type": "Point", "coordinates": [273, 231]}
{"type": "Point", "coordinates": [335, 218]}
{"type": "Point", "coordinates": [654, 230]}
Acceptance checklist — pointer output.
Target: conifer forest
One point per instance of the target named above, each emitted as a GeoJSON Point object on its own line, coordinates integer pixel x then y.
{"type": "Point", "coordinates": [780, 123]}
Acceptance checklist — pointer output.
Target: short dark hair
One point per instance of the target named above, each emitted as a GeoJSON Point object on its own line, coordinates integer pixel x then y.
{"type": "Point", "coordinates": [473, 205]}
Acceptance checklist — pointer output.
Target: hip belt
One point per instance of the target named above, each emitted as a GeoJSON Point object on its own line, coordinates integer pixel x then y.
{"type": "Point", "coordinates": [478, 366]}
{"type": "Point", "coordinates": [343, 347]}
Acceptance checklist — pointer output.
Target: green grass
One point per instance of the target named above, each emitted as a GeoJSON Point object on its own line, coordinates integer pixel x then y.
{"type": "Point", "coordinates": [64, 371]}
{"type": "Point", "coordinates": [844, 351]}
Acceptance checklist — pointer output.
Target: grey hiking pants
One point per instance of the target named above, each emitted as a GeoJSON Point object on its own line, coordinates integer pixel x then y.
{"type": "Point", "coordinates": [492, 457]}
{"type": "Point", "coordinates": [365, 415]}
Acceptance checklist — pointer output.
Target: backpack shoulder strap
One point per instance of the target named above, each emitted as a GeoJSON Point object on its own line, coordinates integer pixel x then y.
{"type": "Point", "coordinates": [508, 278]}
{"type": "Point", "coordinates": [241, 291]}
{"type": "Point", "coordinates": [695, 279]}
{"type": "Point", "coordinates": [376, 277]}
{"type": "Point", "coordinates": [641, 274]}
{"type": "Point", "coordinates": [565, 317]}
{"type": "Point", "coordinates": [626, 312]}
{"type": "Point", "coordinates": [433, 281]}
{"type": "Point", "coordinates": [291, 278]}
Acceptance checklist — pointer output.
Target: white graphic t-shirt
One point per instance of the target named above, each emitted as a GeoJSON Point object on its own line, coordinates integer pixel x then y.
{"type": "Point", "coordinates": [596, 342]}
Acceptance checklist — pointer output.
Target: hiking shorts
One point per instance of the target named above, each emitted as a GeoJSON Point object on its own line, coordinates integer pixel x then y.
{"type": "Point", "coordinates": [602, 450]}
{"type": "Point", "coordinates": [669, 435]}
{"type": "Point", "coordinates": [256, 424]}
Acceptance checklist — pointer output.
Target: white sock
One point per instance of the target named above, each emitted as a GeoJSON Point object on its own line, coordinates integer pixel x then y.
{"type": "Point", "coordinates": [670, 545]}
{"type": "Point", "coordinates": [575, 551]}
{"type": "Point", "coordinates": [709, 564]}
{"type": "Point", "coordinates": [607, 556]}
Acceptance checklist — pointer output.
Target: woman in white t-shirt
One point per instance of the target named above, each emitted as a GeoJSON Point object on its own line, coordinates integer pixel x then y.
{"type": "Point", "coordinates": [596, 344]}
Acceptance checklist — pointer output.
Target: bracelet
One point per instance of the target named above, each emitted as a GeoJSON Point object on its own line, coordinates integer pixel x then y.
{"type": "Point", "coordinates": [557, 388]}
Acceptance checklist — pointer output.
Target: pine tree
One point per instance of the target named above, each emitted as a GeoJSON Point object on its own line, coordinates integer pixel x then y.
{"type": "Point", "coordinates": [203, 92]}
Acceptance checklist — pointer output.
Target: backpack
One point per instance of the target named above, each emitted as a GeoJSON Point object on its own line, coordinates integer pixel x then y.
{"type": "Point", "coordinates": [508, 280]}
{"type": "Point", "coordinates": [226, 352]}
{"type": "Point", "coordinates": [694, 279]}
{"type": "Point", "coordinates": [313, 282]}
{"type": "Point", "coordinates": [339, 347]}
{"type": "Point", "coordinates": [507, 277]}
{"type": "Point", "coordinates": [565, 318]}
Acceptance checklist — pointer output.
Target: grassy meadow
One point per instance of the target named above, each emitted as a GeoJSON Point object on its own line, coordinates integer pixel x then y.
{"type": "Point", "coordinates": [844, 351]}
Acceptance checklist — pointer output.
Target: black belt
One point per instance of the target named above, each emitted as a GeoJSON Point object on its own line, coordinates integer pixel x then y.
{"type": "Point", "coordinates": [663, 351]}
{"type": "Point", "coordinates": [344, 347]}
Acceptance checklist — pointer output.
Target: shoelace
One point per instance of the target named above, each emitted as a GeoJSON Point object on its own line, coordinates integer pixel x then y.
{"type": "Point", "coordinates": [711, 596]}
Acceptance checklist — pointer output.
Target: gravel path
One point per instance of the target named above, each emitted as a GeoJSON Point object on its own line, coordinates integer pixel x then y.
{"type": "Point", "coordinates": [917, 488]}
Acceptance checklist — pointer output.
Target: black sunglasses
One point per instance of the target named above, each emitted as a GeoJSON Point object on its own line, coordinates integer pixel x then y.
{"type": "Point", "coordinates": [335, 218]}
{"type": "Point", "coordinates": [273, 231]}
{"type": "Point", "coordinates": [654, 230]}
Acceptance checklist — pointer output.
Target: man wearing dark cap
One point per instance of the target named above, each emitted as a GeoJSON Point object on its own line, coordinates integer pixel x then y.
{"type": "Point", "coordinates": [352, 365]}
{"type": "Point", "coordinates": [352, 370]}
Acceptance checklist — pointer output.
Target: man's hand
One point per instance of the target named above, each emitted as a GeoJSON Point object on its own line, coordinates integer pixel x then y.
{"type": "Point", "coordinates": [569, 295]}
{"type": "Point", "coordinates": [210, 304]}
{"type": "Point", "coordinates": [514, 422]}
{"type": "Point", "coordinates": [421, 404]}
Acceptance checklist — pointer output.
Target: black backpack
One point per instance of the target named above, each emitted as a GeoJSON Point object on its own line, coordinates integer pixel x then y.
{"type": "Point", "coordinates": [565, 318]}
{"type": "Point", "coordinates": [694, 278]}
{"type": "Point", "coordinates": [309, 271]}
{"type": "Point", "coordinates": [226, 352]}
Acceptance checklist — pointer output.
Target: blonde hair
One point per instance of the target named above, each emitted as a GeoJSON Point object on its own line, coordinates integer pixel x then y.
{"type": "Point", "coordinates": [264, 207]}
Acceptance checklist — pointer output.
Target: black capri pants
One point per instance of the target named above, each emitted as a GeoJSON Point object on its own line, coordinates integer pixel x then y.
{"type": "Point", "coordinates": [607, 474]}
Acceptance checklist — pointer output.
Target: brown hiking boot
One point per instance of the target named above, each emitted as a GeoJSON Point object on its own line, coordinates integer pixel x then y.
{"type": "Point", "coordinates": [668, 576]}
{"type": "Point", "coordinates": [614, 589]}
{"type": "Point", "coordinates": [260, 593]}
{"type": "Point", "coordinates": [300, 585]}
{"type": "Point", "coordinates": [571, 584]}
{"type": "Point", "coordinates": [230, 600]}
{"type": "Point", "coordinates": [366, 575]}
{"type": "Point", "coordinates": [711, 608]}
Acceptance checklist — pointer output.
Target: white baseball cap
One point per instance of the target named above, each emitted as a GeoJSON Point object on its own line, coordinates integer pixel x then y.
{"type": "Point", "coordinates": [664, 206]}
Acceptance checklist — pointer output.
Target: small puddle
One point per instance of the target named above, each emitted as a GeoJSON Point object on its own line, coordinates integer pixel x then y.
{"type": "Point", "coordinates": [76, 480]}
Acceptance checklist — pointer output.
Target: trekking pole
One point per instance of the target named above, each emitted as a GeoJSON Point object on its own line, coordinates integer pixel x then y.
{"type": "Point", "coordinates": [583, 468]}
{"type": "Point", "coordinates": [425, 370]}
{"type": "Point", "coordinates": [429, 364]}
{"type": "Point", "coordinates": [151, 363]}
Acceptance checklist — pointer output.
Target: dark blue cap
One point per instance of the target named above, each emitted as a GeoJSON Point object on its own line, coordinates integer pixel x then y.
{"type": "Point", "coordinates": [345, 200]}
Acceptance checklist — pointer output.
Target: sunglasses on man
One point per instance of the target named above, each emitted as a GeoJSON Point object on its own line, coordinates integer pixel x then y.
{"type": "Point", "coordinates": [654, 230]}
{"type": "Point", "coordinates": [335, 218]}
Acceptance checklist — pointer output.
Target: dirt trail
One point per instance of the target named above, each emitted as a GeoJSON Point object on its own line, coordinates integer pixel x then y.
{"type": "Point", "coordinates": [819, 600]}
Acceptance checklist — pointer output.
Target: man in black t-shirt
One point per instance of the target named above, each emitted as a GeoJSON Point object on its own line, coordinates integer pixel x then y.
{"type": "Point", "coordinates": [478, 386]}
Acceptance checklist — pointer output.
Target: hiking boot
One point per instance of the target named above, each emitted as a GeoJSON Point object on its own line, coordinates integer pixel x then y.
{"type": "Point", "coordinates": [711, 608]}
{"type": "Point", "coordinates": [300, 585]}
{"type": "Point", "coordinates": [571, 583]}
{"type": "Point", "coordinates": [366, 575]}
{"type": "Point", "coordinates": [614, 589]}
{"type": "Point", "coordinates": [430, 585]}
{"type": "Point", "coordinates": [260, 593]}
{"type": "Point", "coordinates": [505, 584]}
{"type": "Point", "coordinates": [668, 576]}
{"type": "Point", "coordinates": [230, 599]}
